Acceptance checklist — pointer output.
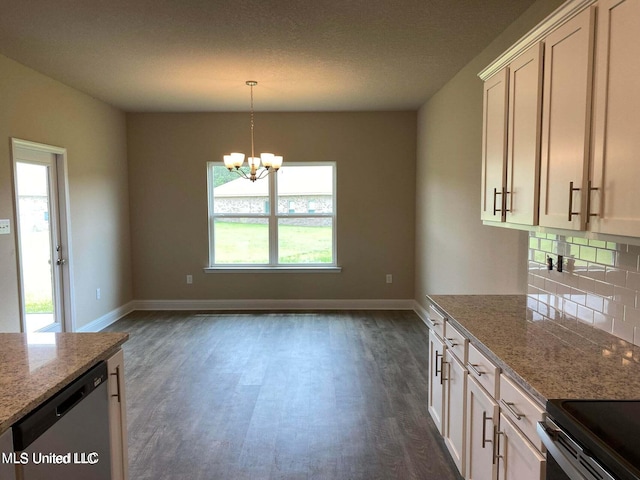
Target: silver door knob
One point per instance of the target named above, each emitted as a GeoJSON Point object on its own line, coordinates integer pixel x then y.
{"type": "Point", "coordinates": [61, 261]}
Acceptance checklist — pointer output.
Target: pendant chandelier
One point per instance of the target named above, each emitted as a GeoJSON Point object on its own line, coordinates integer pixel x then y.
{"type": "Point", "coordinates": [270, 162]}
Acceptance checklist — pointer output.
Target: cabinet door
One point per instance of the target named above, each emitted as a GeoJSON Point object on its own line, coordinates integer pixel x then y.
{"type": "Point", "coordinates": [523, 152]}
{"type": "Point", "coordinates": [436, 382]}
{"type": "Point", "coordinates": [518, 459]}
{"type": "Point", "coordinates": [455, 382]}
{"type": "Point", "coordinates": [482, 417]}
{"type": "Point", "coordinates": [616, 167]}
{"type": "Point", "coordinates": [494, 145]}
{"type": "Point", "coordinates": [117, 417]}
{"type": "Point", "coordinates": [566, 116]}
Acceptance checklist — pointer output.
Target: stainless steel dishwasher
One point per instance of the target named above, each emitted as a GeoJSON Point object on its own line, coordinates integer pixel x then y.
{"type": "Point", "coordinates": [67, 437]}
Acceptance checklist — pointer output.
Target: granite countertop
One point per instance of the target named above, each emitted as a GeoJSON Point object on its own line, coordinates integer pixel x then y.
{"type": "Point", "coordinates": [33, 367]}
{"type": "Point", "coordinates": [556, 357]}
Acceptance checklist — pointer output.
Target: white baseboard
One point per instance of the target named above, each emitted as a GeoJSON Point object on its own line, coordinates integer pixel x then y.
{"type": "Point", "coordinates": [421, 312]}
{"type": "Point", "coordinates": [266, 304]}
{"type": "Point", "coordinates": [270, 304]}
{"type": "Point", "coordinates": [108, 318]}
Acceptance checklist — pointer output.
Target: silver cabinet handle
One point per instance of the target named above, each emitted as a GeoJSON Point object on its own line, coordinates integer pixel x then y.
{"type": "Point", "coordinates": [495, 201]}
{"type": "Point", "coordinates": [589, 190]}
{"type": "Point", "coordinates": [442, 379]}
{"type": "Point", "coordinates": [484, 429]}
{"type": "Point", "coordinates": [509, 406]}
{"type": "Point", "coordinates": [474, 369]}
{"type": "Point", "coordinates": [117, 375]}
{"type": "Point", "coordinates": [439, 370]}
{"type": "Point", "coordinates": [571, 212]}
{"type": "Point", "coordinates": [450, 342]}
{"type": "Point", "coordinates": [496, 445]}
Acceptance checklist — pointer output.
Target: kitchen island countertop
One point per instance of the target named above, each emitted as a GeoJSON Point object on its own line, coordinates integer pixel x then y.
{"type": "Point", "coordinates": [548, 354]}
{"type": "Point", "coordinates": [33, 367]}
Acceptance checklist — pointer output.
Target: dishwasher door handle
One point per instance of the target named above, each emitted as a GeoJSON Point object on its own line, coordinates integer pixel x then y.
{"type": "Point", "coordinates": [70, 402]}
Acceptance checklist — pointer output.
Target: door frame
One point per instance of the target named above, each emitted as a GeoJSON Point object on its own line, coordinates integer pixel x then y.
{"type": "Point", "coordinates": [62, 199]}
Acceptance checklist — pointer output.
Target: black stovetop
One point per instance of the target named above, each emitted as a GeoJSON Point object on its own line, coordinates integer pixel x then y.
{"type": "Point", "coordinates": [609, 429]}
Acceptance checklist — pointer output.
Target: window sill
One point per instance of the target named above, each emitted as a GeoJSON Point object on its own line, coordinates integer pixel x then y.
{"type": "Point", "coordinates": [271, 269]}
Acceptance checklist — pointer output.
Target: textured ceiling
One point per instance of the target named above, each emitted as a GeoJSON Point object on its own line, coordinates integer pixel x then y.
{"type": "Point", "coordinates": [307, 55]}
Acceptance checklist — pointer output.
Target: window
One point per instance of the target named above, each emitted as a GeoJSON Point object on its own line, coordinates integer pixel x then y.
{"type": "Point", "coordinates": [259, 224]}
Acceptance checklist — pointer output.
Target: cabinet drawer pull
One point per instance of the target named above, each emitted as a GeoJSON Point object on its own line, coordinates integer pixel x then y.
{"type": "Point", "coordinates": [450, 342]}
{"type": "Point", "coordinates": [474, 369]}
{"type": "Point", "coordinates": [484, 429]}
{"type": "Point", "coordinates": [571, 212]}
{"type": "Point", "coordinates": [509, 406]}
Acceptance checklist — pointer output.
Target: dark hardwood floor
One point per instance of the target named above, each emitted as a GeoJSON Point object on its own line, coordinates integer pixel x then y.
{"type": "Point", "coordinates": [329, 395]}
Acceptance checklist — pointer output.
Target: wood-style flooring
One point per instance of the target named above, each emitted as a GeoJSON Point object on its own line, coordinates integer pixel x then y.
{"type": "Point", "coordinates": [327, 395]}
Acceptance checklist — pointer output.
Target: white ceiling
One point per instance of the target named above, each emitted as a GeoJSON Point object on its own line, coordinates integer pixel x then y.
{"type": "Point", "coordinates": [307, 55]}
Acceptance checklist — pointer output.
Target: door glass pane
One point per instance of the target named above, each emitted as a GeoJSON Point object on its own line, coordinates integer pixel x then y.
{"type": "Point", "coordinates": [241, 240]}
{"type": "Point", "coordinates": [305, 240]}
{"type": "Point", "coordinates": [35, 244]}
{"type": "Point", "coordinates": [305, 189]}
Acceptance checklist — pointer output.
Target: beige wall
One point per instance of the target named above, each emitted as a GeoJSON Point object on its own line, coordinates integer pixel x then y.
{"type": "Point", "coordinates": [375, 155]}
{"type": "Point", "coordinates": [36, 108]}
{"type": "Point", "coordinates": [455, 253]}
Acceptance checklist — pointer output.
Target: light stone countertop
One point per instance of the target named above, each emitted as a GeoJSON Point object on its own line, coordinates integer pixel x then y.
{"type": "Point", "coordinates": [33, 367]}
{"type": "Point", "coordinates": [556, 357]}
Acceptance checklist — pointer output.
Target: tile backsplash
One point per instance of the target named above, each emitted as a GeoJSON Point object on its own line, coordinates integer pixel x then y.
{"type": "Point", "coordinates": [599, 284]}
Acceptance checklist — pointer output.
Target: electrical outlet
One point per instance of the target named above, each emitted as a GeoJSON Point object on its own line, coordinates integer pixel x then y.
{"type": "Point", "coordinates": [5, 227]}
{"type": "Point", "coordinates": [389, 278]}
{"type": "Point", "coordinates": [189, 279]}
{"type": "Point", "coordinates": [98, 294]}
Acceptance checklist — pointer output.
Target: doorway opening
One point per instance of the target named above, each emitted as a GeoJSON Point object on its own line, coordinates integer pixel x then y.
{"type": "Point", "coordinates": [43, 237]}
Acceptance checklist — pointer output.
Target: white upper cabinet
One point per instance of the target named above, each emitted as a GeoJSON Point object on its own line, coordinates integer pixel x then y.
{"type": "Point", "coordinates": [562, 121]}
{"type": "Point", "coordinates": [615, 205]}
{"type": "Point", "coordinates": [494, 146]}
{"type": "Point", "coordinates": [511, 140]}
{"type": "Point", "coordinates": [523, 152]}
{"type": "Point", "coordinates": [566, 122]}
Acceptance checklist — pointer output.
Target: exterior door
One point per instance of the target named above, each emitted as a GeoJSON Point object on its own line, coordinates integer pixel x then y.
{"type": "Point", "coordinates": [41, 230]}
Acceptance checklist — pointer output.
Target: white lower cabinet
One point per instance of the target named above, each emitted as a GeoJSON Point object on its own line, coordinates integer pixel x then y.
{"type": "Point", "coordinates": [486, 420]}
{"type": "Point", "coordinates": [436, 382]}
{"type": "Point", "coordinates": [117, 417]}
{"type": "Point", "coordinates": [482, 421]}
{"type": "Point", "coordinates": [517, 458]}
{"type": "Point", "coordinates": [455, 384]}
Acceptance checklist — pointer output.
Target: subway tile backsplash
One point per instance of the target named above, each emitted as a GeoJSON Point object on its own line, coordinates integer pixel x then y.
{"type": "Point", "coordinates": [599, 284]}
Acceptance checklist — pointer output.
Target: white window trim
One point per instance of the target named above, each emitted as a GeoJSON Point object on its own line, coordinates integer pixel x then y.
{"type": "Point", "coordinates": [272, 218]}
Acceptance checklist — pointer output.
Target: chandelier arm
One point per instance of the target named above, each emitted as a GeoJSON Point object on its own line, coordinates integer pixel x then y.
{"type": "Point", "coordinates": [263, 173]}
{"type": "Point", "coordinates": [241, 173]}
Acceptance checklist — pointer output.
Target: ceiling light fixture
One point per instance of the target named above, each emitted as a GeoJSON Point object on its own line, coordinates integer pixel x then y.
{"type": "Point", "coordinates": [270, 162]}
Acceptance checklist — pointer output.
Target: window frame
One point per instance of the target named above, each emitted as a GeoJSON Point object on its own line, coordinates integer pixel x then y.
{"type": "Point", "coordinates": [273, 217]}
